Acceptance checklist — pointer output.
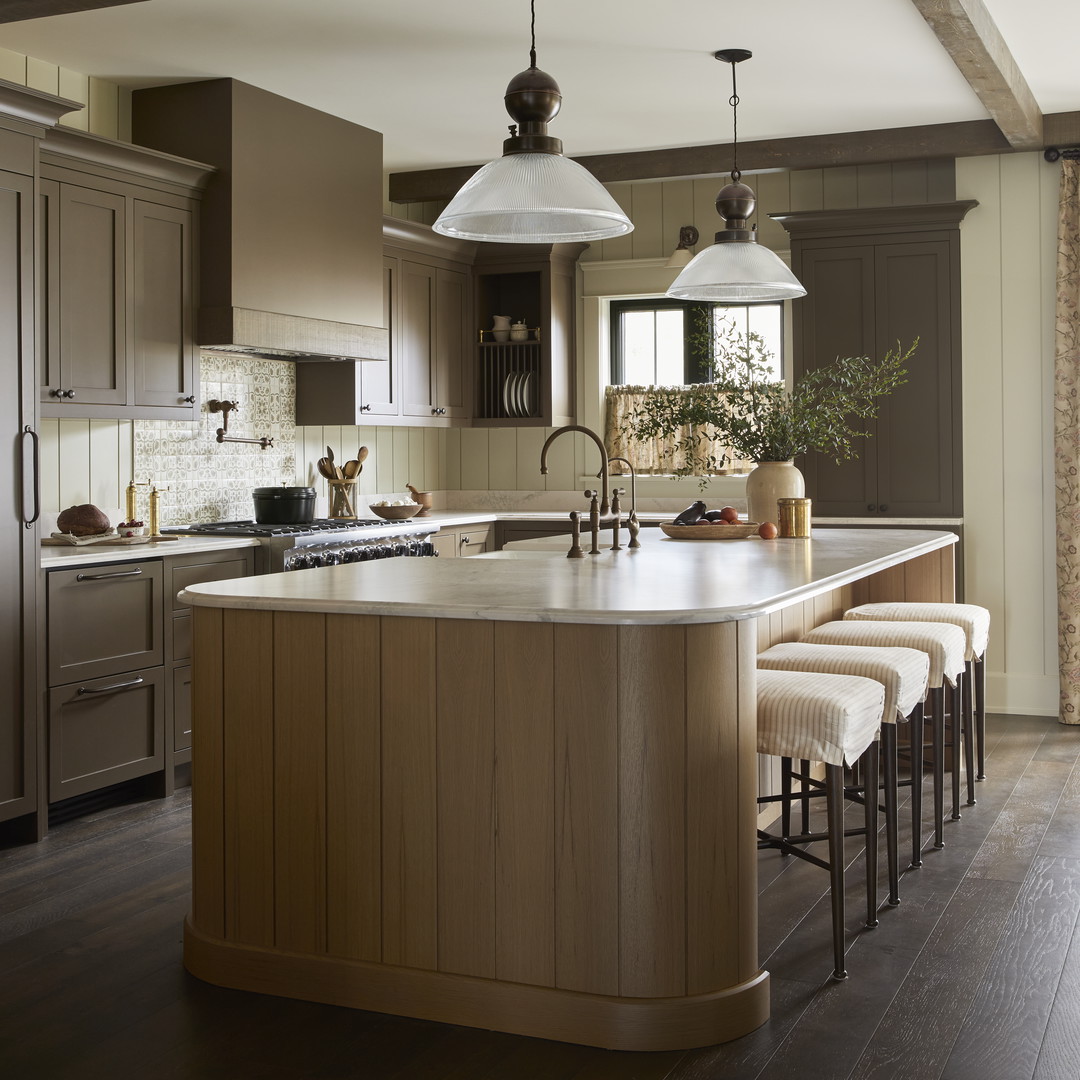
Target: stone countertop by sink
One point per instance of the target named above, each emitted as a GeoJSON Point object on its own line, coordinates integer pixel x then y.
{"type": "Point", "coordinates": [665, 581]}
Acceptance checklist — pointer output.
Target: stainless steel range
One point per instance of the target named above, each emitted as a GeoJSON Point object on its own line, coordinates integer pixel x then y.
{"type": "Point", "coordinates": [324, 542]}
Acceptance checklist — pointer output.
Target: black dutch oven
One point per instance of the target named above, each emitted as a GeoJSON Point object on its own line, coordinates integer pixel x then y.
{"type": "Point", "coordinates": [284, 505]}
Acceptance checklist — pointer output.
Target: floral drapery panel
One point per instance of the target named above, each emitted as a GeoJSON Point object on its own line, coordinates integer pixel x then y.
{"type": "Point", "coordinates": [1067, 440]}
{"type": "Point", "coordinates": [657, 457]}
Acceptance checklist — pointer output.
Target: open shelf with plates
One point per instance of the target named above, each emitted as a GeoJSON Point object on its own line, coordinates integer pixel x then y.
{"type": "Point", "coordinates": [526, 382]}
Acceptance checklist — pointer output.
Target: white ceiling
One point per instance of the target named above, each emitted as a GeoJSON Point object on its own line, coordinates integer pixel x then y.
{"type": "Point", "coordinates": [634, 74]}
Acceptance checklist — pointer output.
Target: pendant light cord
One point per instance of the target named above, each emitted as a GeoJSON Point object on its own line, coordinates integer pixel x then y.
{"type": "Point", "coordinates": [532, 28]}
{"type": "Point", "coordinates": [733, 101]}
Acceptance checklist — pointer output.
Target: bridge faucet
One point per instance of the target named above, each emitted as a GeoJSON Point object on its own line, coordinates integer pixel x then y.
{"type": "Point", "coordinates": [605, 506]}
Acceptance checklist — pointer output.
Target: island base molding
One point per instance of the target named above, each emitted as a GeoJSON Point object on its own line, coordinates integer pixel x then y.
{"type": "Point", "coordinates": [539, 1012]}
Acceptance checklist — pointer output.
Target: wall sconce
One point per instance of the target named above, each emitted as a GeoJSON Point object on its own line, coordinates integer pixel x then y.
{"type": "Point", "coordinates": [688, 237]}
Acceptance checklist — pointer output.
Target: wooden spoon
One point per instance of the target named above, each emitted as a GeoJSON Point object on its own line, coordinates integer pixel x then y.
{"type": "Point", "coordinates": [351, 469]}
{"type": "Point", "coordinates": [361, 454]}
{"type": "Point", "coordinates": [326, 469]}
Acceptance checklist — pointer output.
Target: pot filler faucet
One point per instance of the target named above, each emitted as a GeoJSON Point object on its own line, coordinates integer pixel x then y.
{"type": "Point", "coordinates": [600, 509]}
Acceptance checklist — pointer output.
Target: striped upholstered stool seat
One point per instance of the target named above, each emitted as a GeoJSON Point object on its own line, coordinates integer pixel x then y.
{"type": "Point", "coordinates": [975, 622]}
{"type": "Point", "coordinates": [944, 646]}
{"type": "Point", "coordinates": [833, 719]}
{"type": "Point", "coordinates": [904, 674]}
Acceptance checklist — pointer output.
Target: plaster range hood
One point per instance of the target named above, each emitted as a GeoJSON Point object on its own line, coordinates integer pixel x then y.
{"type": "Point", "coordinates": [290, 230]}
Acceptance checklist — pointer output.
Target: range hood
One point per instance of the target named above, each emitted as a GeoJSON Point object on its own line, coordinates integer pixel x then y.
{"type": "Point", "coordinates": [291, 225]}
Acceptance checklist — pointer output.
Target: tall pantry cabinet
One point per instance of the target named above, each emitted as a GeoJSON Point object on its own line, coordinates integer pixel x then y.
{"type": "Point", "coordinates": [25, 116]}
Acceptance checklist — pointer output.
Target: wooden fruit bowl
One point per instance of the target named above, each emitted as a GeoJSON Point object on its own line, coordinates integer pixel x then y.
{"type": "Point", "coordinates": [396, 513]}
{"type": "Point", "coordinates": [741, 530]}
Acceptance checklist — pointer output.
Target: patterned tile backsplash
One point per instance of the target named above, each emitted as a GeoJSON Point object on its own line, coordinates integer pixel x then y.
{"type": "Point", "coordinates": [212, 481]}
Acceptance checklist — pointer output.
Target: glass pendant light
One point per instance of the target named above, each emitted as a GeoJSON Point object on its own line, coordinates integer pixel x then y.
{"type": "Point", "coordinates": [532, 194]}
{"type": "Point", "coordinates": [736, 269]}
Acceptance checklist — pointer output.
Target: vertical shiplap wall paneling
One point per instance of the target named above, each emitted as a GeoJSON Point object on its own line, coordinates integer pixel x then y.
{"type": "Point", "coordinates": [383, 452]}
{"type": "Point", "coordinates": [450, 458]}
{"type": "Point", "coordinates": [75, 87]}
{"type": "Point", "coordinates": [417, 460]}
{"type": "Point", "coordinates": [940, 180]}
{"type": "Point", "coordinates": [401, 458]}
{"type": "Point", "coordinates": [104, 108]}
{"type": "Point", "coordinates": [49, 430]}
{"type": "Point", "coordinates": [909, 180]}
{"type": "Point", "coordinates": [1050, 180]}
{"type": "Point", "coordinates": [1007, 249]}
{"type": "Point", "coordinates": [807, 189]}
{"type": "Point", "coordinates": [74, 462]}
{"type": "Point", "coordinates": [530, 441]}
{"type": "Point", "coordinates": [433, 479]}
{"type": "Point", "coordinates": [676, 210]}
{"type": "Point", "coordinates": [13, 66]}
{"type": "Point", "coordinates": [647, 213]}
{"type": "Point", "coordinates": [561, 458]}
{"type": "Point", "coordinates": [621, 247]}
{"type": "Point", "coordinates": [841, 188]}
{"type": "Point", "coordinates": [773, 192]}
{"type": "Point", "coordinates": [1021, 394]}
{"type": "Point", "coordinates": [106, 487]}
{"type": "Point", "coordinates": [873, 185]}
{"type": "Point", "coordinates": [502, 458]}
{"type": "Point", "coordinates": [43, 76]}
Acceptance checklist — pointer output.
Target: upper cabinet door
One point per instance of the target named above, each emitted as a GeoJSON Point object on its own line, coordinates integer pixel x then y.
{"type": "Point", "coordinates": [451, 333]}
{"type": "Point", "coordinates": [380, 379]}
{"type": "Point", "coordinates": [416, 338]}
{"type": "Point", "coordinates": [163, 346]}
{"type": "Point", "coordinates": [93, 296]}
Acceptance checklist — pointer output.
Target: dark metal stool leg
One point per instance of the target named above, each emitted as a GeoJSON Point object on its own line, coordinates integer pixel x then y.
{"type": "Point", "coordinates": [917, 721]}
{"type": "Point", "coordinates": [804, 765]}
{"type": "Point", "coordinates": [955, 726]}
{"type": "Point", "coordinates": [969, 734]}
{"type": "Point", "coordinates": [870, 808]}
{"type": "Point", "coordinates": [834, 801]}
{"type": "Point", "coordinates": [888, 753]}
{"type": "Point", "coordinates": [937, 725]}
{"type": "Point", "coordinates": [980, 713]}
{"type": "Point", "coordinates": [785, 803]}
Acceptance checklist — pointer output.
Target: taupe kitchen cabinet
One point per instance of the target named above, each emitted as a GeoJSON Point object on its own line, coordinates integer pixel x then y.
{"type": "Point", "coordinates": [25, 116]}
{"type": "Point", "coordinates": [119, 667]}
{"type": "Point", "coordinates": [106, 699]}
{"type": "Point", "coordinates": [116, 279]}
{"type": "Point", "coordinates": [876, 277]}
{"type": "Point", "coordinates": [180, 572]}
{"type": "Point", "coordinates": [463, 541]}
{"type": "Point", "coordinates": [527, 383]}
{"type": "Point", "coordinates": [427, 300]}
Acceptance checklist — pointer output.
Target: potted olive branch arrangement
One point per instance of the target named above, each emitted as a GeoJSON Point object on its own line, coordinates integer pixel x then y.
{"type": "Point", "coordinates": [744, 413]}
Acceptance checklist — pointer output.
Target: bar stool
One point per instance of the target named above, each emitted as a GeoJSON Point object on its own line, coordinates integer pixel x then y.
{"type": "Point", "coordinates": [904, 673]}
{"type": "Point", "coordinates": [975, 622]}
{"type": "Point", "coordinates": [833, 719]}
{"type": "Point", "coordinates": [944, 646]}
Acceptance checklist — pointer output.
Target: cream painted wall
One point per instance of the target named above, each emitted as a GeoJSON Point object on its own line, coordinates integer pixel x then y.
{"type": "Point", "coordinates": [1008, 250]}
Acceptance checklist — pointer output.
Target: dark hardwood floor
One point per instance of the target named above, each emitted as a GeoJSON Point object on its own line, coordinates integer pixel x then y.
{"type": "Point", "coordinates": [976, 975]}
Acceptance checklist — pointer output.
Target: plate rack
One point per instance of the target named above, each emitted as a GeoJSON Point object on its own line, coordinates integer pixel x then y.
{"type": "Point", "coordinates": [510, 380]}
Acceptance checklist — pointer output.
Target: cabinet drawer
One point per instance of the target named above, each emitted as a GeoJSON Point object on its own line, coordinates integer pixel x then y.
{"type": "Point", "coordinates": [102, 731]}
{"type": "Point", "coordinates": [181, 637]}
{"type": "Point", "coordinates": [103, 620]}
{"type": "Point", "coordinates": [207, 569]}
{"type": "Point", "coordinates": [182, 708]}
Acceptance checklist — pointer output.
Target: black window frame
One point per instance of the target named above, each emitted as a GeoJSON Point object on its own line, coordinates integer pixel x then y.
{"type": "Point", "coordinates": [694, 363]}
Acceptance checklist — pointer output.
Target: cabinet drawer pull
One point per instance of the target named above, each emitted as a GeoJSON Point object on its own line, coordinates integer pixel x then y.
{"type": "Point", "coordinates": [464, 540]}
{"type": "Point", "coordinates": [105, 577]}
{"type": "Point", "coordinates": [365, 408]}
{"type": "Point", "coordinates": [111, 689]}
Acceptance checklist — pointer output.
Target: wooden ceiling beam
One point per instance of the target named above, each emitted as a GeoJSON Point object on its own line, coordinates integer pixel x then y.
{"type": "Point", "coordinates": [971, 37]}
{"type": "Point", "coordinates": [806, 152]}
{"type": "Point", "coordinates": [19, 10]}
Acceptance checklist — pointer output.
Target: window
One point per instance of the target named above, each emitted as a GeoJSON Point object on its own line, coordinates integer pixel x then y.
{"type": "Point", "coordinates": [653, 341]}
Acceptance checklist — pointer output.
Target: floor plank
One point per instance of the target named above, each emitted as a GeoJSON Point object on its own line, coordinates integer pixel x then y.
{"type": "Point", "coordinates": [976, 974]}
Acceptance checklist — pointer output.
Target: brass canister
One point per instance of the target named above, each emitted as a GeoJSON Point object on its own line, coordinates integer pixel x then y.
{"type": "Point", "coordinates": [793, 518]}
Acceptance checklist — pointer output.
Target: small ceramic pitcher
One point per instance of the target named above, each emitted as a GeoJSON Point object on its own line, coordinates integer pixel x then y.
{"type": "Point", "coordinates": [500, 327]}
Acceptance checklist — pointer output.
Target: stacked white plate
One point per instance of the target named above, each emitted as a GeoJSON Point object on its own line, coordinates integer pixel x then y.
{"type": "Point", "coordinates": [519, 394]}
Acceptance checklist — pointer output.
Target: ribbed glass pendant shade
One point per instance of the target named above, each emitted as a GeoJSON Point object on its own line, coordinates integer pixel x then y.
{"type": "Point", "coordinates": [736, 272]}
{"type": "Point", "coordinates": [533, 199]}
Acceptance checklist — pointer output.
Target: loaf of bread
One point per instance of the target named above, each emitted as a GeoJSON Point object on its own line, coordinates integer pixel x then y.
{"type": "Point", "coordinates": [85, 520]}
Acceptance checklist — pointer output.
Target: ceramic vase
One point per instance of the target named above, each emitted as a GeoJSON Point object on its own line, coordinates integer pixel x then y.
{"type": "Point", "coordinates": [769, 481]}
{"type": "Point", "coordinates": [500, 328]}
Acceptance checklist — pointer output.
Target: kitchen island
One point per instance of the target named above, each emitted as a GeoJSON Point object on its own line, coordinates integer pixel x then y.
{"type": "Point", "coordinates": [515, 791]}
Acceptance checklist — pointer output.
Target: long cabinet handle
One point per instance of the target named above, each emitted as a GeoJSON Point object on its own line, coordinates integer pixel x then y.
{"type": "Point", "coordinates": [35, 440]}
{"type": "Point", "coordinates": [104, 577]}
{"type": "Point", "coordinates": [110, 689]}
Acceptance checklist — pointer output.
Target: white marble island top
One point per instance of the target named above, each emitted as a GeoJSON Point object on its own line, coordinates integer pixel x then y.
{"type": "Point", "coordinates": [665, 581]}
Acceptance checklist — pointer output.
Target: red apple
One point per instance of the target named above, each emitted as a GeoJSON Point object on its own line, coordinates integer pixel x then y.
{"type": "Point", "coordinates": [729, 514]}
{"type": "Point", "coordinates": [767, 530]}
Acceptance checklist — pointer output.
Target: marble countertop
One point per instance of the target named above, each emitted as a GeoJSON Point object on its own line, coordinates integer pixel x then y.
{"type": "Point", "coordinates": [57, 557]}
{"type": "Point", "coordinates": [665, 581]}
